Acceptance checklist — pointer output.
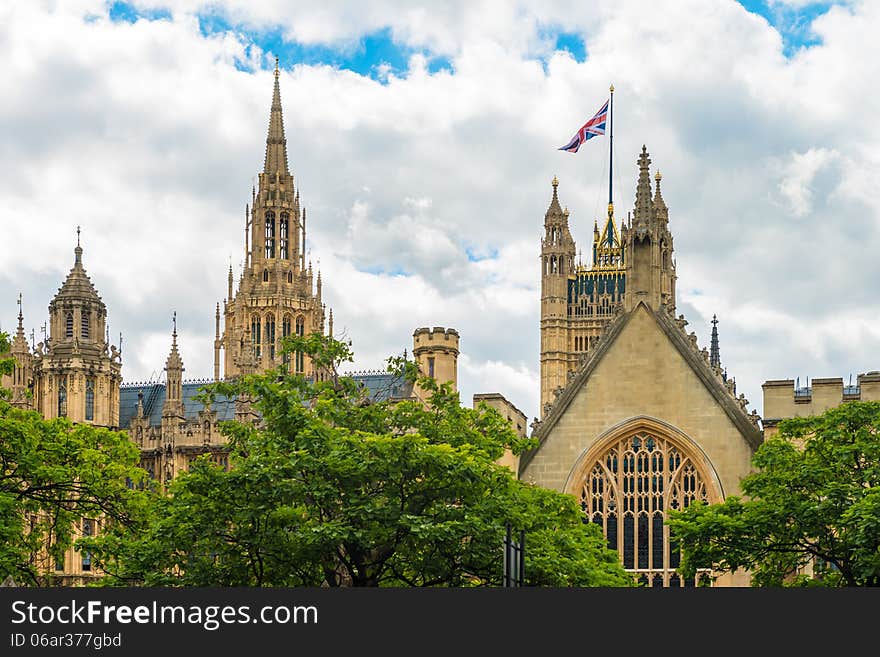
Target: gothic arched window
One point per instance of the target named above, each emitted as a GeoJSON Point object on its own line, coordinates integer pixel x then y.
{"type": "Point", "coordinates": [68, 325]}
{"type": "Point", "coordinates": [627, 491]}
{"type": "Point", "coordinates": [90, 398]}
{"type": "Point", "coordinates": [265, 275]}
{"type": "Point", "coordinates": [84, 328]}
{"type": "Point", "coordinates": [300, 330]}
{"type": "Point", "coordinates": [62, 396]}
{"type": "Point", "coordinates": [270, 335]}
{"type": "Point", "coordinates": [290, 277]}
{"type": "Point", "coordinates": [87, 556]}
{"type": "Point", "coordinates": [283, 224]}
{"type": "Point", "coordinates": [255, 335]}
{"type": "Point", "coordinates": [270, 234]}
{"type": "Point", "coordinates": [285, 331]}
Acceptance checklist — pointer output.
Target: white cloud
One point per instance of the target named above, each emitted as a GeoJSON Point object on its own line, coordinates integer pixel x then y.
{"type": "Point", "coordinates": [149, 137]}
{"type": "Point", "coordinates": [798, 175]}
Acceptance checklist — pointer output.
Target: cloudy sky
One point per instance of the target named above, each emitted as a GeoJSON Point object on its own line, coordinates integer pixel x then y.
{"type": "Point", "coordinates": [423, 138]}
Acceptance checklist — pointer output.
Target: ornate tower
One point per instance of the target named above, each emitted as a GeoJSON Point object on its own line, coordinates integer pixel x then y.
{"type": "Point", "coordinates": [557, 265]}
{"type": "Point", "coordinates": [436, 352]}
{"type": "Point", "coordinates": [650, 268]}
{"type": "Point", "coordinates": [21, 381]}
{"type": "Point", "coordinates": [77, 372]}
{"type": "Point", "coordinates": [173, 406]}
{"type": "Point", "coordinates": [579, 302]}
{"type": "Point", "coordinates": [277, 294]}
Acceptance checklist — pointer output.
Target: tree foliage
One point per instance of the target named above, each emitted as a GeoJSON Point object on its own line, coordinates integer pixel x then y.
{"type": "Point", "coordinates": [52, 475]}
{"type": "Point", "coordinates": [813, 500]}
{"type": "Point", "coordinates": [332, 488]}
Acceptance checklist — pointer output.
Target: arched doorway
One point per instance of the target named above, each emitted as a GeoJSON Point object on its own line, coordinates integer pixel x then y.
{"type": "Point", "coordinates": [627, 481]}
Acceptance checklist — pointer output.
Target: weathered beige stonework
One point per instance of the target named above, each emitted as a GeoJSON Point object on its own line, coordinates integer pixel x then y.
{"type": "Point", "coordinates": [435, 350]}
{"type": "Point", "coordinates": [278, 294]}
{"type": "Point", "coordinates": [513, 415]}
{"type": "Point", "coordinates": [635, 421]}
{"type": "Point", "coordinates": [783, 400]}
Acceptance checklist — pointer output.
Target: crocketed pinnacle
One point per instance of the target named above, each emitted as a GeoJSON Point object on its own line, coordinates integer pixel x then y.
{"type": "Point", "coordinates": [714, 352]}
{"type": "Point", "coordinates": [19, 341]}
{"type": "Point", "coordinates": [555, 210]}
{"type": "Point", "coordinates": [276, 143]}
{"type": "Point", "coordinates": [658, 197]}
{"type": "Point", "coordinates": [174, 361]}
{"type": "Point", "coordinates": [77, 285]}
{"type": "Point", "coordinates": [642, 215]}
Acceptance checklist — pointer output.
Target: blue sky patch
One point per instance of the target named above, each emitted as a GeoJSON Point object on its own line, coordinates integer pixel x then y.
{"type": "Point", "coordinates": [478, 254]}
{"type": "Point", "coordinates": [561, 41]}
{"type": "Point", "coordinates": [375, 55]}
{"type": "Point", "coordinates": [574, 44]}
{"type": "Point", "coordinates": [127, 13]}
{"type": "Point", "coordinates": [794, 24]}
{"type": "Point", "coordinates": [379, 270]}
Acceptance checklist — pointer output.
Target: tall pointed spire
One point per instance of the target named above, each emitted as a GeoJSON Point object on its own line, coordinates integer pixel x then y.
{"type": "Point", "coordinates": [642, 218]}
{"type": "Point", "coordinates": [714, 352]}
{"type": "Point", "coordinates": [19, 332]}
{"type": "Point", "coordinates": [174, 369]}
{"type": "Point", "coordinates": [276, 144]}
{"type": "Point", "coordinates": [555, 214]}
{"type": "Point", "coordinates": [174, 360]}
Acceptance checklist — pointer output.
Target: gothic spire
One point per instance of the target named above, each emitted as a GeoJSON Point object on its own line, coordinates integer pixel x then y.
{"type": "Point", "coordinates": [173, 404]}
{"type": "Point", "coordinates": [276, 144]}
{"type": "Point", "coordinates": [555, 209]}
{"type": "Point", "coordinates": [77, 284]}
{"type": "Point", "coordinates": [174, 360]}
{"type": "Point", "coordinates": [714, 353]}
{"type": "Point", "coordinates": [19, 341]}
{"type": "Point", "coordinates": [643, 207]}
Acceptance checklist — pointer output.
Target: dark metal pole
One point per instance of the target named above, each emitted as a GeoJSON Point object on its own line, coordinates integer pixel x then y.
{"type": "Point", "coordinates": [507, 557]}
{"type": "Point", "coordinates": [522, 557]}
{"type": "Point", "coordinates": [610, 143]}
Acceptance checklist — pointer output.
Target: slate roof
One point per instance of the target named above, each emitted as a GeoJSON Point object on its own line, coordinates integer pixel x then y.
{"type": "Point", "coordinates": [154, 399]}
{"type": "Point", "coordinates": [381, 386]}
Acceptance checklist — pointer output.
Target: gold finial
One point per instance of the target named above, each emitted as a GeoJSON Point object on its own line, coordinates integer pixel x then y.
{"type": "Point", "coordinates": [276, 67]}
{"type": "Point", "coordinates": [657, 176]}
{"type": "Point", "coordinates": [555, 181]}
{"type": "Point", "coordinates": [611, 89]}
{"type": "Point", "coordinates": [610, 209]}
{"type": "Point", "coordinates": [565, 212]}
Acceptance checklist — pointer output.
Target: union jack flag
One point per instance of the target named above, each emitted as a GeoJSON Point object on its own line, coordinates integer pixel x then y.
{"type": "Point", "coordinates": [593, 127]}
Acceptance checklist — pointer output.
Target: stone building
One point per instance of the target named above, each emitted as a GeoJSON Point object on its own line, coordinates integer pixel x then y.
{"type": "Point", "coordinates": [76, 373]}
{"type": "Point", "coordinates": [783, 398]}
{"type": "Point", "coordinates": [636, 417]}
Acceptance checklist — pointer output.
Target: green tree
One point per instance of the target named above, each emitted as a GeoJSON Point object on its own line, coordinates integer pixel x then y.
{"type": "Point", "coordinates": [333, 488]}
{"type": "Point", "coordinates": [52, 474]}
{"type": "Point", "coordinates": [814, 498]}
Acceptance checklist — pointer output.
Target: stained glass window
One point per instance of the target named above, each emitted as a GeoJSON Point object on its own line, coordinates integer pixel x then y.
{"type": "Point", "coordinates": [627, 491]}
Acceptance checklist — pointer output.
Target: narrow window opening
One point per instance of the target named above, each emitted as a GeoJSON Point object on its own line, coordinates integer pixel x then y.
{"type": "Point", "coordinates": [90, 398]}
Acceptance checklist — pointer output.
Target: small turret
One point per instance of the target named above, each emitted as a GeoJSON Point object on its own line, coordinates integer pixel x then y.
{"type": "Point", "coordinates": [173, 379]}
{"type": "Point", "coordinates": [436, 350]}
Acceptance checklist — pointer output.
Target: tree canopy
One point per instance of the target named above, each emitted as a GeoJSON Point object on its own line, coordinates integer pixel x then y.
{"type": "Point", "coordinates": [54, 473]}
{"type": "Point", "coordinates": [333, 488]}
{"type": "Point", "coordinates": [810, 513]}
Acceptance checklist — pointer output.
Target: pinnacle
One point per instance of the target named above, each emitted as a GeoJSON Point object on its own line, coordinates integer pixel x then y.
{"type": "Point", "coordinates": [276, 143]}
{"type": "Point", "coordinates": [555, 208]}
{"type": "Point", "coordinates": [77, 283]}
{"type": "Point", "coordinates": [643, 209]}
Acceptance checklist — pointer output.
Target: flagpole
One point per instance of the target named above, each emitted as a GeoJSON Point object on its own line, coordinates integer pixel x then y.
{"type": "Point", "coordinates": [610, 144]}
